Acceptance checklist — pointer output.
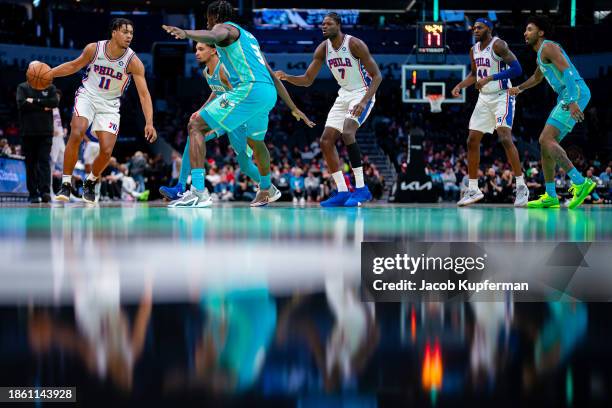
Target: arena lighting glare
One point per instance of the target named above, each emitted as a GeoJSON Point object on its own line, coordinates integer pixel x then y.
{"type": "Point", "coordinates": [573, 14]}
{"type": "Point", "coordinates": [36, 3]}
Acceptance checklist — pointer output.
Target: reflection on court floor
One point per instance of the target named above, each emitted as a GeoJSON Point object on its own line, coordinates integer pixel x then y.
{"type": "Point", "coordinates": [260, 307]}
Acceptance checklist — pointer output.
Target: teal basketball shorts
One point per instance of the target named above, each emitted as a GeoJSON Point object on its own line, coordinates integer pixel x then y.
{"type": "Point", "coordinates": [241, 113]}
{"type": "Point", "coordinates": [560, 116]}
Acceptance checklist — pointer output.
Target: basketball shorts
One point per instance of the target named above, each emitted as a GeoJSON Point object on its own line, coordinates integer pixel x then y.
{"type": "Point", "coordinates": [243, 112]}
{"type": "Point", "coordinates": [560, 116]}
{"type": "Point", "coordinates": [101, 114]}
{"type": "Point", "coordinates": [58, 147]}
{"type": "Point", "coordinates": [345, 101]}
{"type": "Point", "coordinates": [493, 111]}
{"type": "Point", "coordinates": [91, 152]}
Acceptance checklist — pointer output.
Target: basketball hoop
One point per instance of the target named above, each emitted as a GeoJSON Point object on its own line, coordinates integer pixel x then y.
{"type": "Point", "coordinates": [435, 102]}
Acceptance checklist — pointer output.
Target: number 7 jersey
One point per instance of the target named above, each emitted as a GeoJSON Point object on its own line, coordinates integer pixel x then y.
{"type": "Point", "coordinates": [488, 64]}
{"type": "Point", "coordinates": [346, 68]}
{"type": "Point", "coordinates": [105, 77]}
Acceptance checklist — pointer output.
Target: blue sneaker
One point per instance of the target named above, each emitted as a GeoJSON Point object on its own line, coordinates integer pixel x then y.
{"type": "Point", "coordinates": [358, 197]}
{"type": "Point", "coordinates": [337, 199]}
{"type": "Point", "coordinates": [172, 193]}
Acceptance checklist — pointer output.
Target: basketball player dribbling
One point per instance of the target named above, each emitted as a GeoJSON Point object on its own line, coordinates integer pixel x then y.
{"type": "Point", "coordinates": [358, 75]}
{"type": "Point", "coordinates": [573, 98]}
{"type": "Point", "coordinates": [493, 65]}
{"type": "Point", "coordinates": [111, 65]}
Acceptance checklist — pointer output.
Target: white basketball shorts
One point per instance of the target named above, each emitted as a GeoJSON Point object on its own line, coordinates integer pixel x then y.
{"type": "Point", "coordinates": [102, 114]}
{"type": "Point", "coordinates": [345, 101]}
{"type": "Point", "coordinates": [493, 111]}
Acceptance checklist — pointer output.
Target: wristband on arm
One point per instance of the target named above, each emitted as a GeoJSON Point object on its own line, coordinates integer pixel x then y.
{"type": "Point", "coordinates": [512, 72]}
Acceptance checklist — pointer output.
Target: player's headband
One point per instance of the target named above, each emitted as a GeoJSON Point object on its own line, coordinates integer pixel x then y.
{"type": "Point", "coordinates": [485, 22]}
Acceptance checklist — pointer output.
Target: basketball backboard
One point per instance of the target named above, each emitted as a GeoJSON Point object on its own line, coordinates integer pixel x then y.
{"type": "Point", "coordinates": [418, 81]}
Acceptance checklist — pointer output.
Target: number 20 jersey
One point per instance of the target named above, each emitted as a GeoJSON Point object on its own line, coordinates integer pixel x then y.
{"type": "Point", "coordinates": [105, 77]}
{"type": "Point", "coordinates": [487, 64]}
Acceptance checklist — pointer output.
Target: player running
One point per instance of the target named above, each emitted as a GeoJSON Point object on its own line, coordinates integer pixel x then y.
{"type": "Point", "coordinates": [573, 97]}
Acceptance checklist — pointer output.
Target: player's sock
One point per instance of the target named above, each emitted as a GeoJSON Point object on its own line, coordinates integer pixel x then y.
{"type": "Point", "coordinates": [66, 178]}
{"type": "Point", "coordinates": [339, 180]}
{"type": "Point", "coordinates": [473, 185]}
{"type": "Point", "coordinates": [520, 180]}
{"type": "Point", "coordinates": [91, 177]}
{"type": "Point", "coordinates": [197, 179]}
{"type": "Point", "coordinates": [551, 190]}
{"type": "Point", "coordinates": [265, 181]}
{"type": "Point", "coordinates": [248, 167]}
{"type": "Point", "coordinates": [595, 196]}
{"type": "Point", "coordinates": [185, 166]}
{"type": "Point", "coordinates": [358, 172]}
{"type": "Point", "coordinates": [576, 176]}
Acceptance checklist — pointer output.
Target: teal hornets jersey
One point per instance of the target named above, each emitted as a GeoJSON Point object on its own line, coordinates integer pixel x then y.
{"type": "Point", "coordinates": [243, 59]}
{"type": "Point", "coordinates": [552, 74]}
{"type": "Point", "coordinates": [214, 79]}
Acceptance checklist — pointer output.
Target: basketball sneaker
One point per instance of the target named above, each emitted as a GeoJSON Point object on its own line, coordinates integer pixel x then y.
{"type": "Point", "coordinates": [265, 197]}
{"type": "Point", "coordinates": [359, 196]}
{"type": "Point", "coordinates": [545, 201]}
{"type": "Point", "coordinates": [470, 197]}
{"type": "Point", "coordinates": [172, 193]}
{"type": "Point", "coordinates": [144, 196]}
{"type": "Point", "coordinates": [580, 192]}
{"type": "Point", "coordinates": [89, 191]}
{"type": "Point", "coordinates": [336, 199]}
{"type": "Point", "coordinates": [522, 196]}
{"type": "Point", "coordinates": [64, 192]}
{"type": "Point", "coordinates": [192, 198]}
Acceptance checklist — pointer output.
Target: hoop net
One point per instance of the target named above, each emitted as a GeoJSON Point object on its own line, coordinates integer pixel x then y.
{"type": "Point", "coordinates": [435, 102]}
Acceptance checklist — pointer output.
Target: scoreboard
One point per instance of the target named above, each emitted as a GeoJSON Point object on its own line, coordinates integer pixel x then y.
{"type": "Point", "coordinates": [431, 38]}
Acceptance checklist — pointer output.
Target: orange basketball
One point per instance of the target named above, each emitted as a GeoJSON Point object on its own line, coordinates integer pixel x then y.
{"type": "Point", "coordinates": [37, 75]}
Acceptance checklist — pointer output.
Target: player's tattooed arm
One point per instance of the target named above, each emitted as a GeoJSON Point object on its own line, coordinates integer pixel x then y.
{"type": "Point", "coordinates": [533, 80]}
{"type": "Point", "coordinates": [71, 67]}
{"type": "Point", "coordinates": [311, 73]}
{"type": "Point", "coordinates": [284, 95]}
{"type": "Point", "coordinates": [137, 70]}
{"type": "Point", "coordinates": [360, 51]}
{"type": "Point", "coordinates": [469, 80]}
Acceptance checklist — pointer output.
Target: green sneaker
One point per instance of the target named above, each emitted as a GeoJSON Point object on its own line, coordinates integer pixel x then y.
{"type": "Point", "coordinates": [545, 201]}
{"type": "Point", "coordinates": [580, 192]}
{"type": "Point", "coordinates": [144, 196]}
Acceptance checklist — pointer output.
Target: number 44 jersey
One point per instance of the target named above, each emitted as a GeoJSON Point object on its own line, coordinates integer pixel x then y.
{"type": "Point", "coordinates": [487, 64]}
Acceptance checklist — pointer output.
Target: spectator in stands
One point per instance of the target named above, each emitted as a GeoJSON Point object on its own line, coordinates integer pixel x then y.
{"type": "Point", "coordinates": [138, 165]}
{"type": "Point", "coordinates": [449, 178]}
{"type": "Point", "coordinates": [297, 186]}
{"type": "Point", "coordinates": [606, 176]}
{"type": "Point", "coordinates": [128, 187]}
{"type": "Point", "coordinates": [374, 181]}
{"type": "Point", "coordinates": [5, 148]}
{"type": "Point", "coordinates": [36, 124]}
{"type": "Point", "coordinates": [312, 184]}
{"type": "Point", "coordinates": [534, 181]}
{"type": "Point", "coordinates": [493, 187]}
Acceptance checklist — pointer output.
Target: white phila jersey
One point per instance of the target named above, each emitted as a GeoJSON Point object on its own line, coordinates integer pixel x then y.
{"type": "Point", "coordinates": [487, 63]}
{"type": "Point", "coordinates": [348, 70]}
{"type": "Point", "coordinates": [105, 77]}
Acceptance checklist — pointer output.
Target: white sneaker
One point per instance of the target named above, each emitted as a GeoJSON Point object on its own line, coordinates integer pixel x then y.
{"type": "Point", "coordinates": [522, 196]}
{"type": "Point", "coordinates": [275, 194]}
{"type": "Point", "coordinates": [193, 198]}
{"type": "Point", "coordinates": [302, 201]}
{"type": "Point", "coordinates": [295, 201]}
{"type": "Point", "coordinates": [470, 197]}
